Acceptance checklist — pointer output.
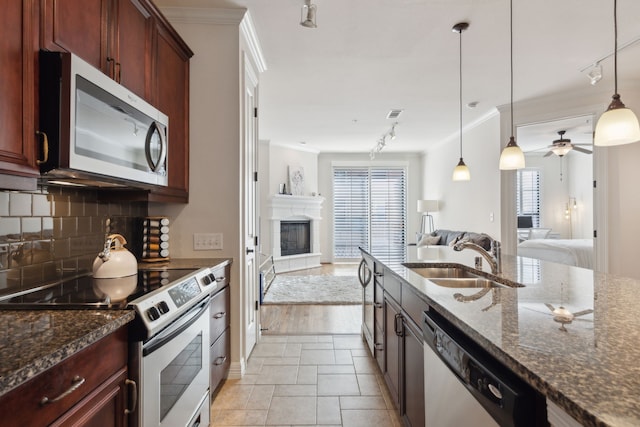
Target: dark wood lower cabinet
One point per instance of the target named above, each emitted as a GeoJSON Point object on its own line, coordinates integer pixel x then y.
{"type": "Point", "coordinates": [88, 389]}
{"type": "Point", "coordinates": [413, 375]}
{"type": "Point", "coordinates": [220, 351]}
{"type": "Point", "coordinates": [392, 346]}
{"type": "Point", "coordinates": [398, 343]}
{"type": "Point", "coordinates": [104, 406]}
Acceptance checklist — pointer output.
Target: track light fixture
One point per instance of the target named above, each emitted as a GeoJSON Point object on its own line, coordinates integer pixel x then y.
{"type": "Point", "coordinates": [308, 19]}
{"type": "Point", "coordinates": [618, 125]}
{"type": "Point", "coordinates": [382, 142]}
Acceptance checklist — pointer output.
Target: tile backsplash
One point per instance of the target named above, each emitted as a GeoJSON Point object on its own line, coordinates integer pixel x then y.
{"type": "Point", "coordinates": [55, 232]}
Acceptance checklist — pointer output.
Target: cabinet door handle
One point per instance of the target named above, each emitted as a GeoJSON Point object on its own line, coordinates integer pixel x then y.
{"type": "Point", "coordinates": [378, 274]}
{"type": "Point", "coordinates": [76, 382]}
{"type": "Point", "coordinates": [134, 394]}
{"type": "Point", "coordinates": [220, 360]}
{"type": "Point", "coordinates": [45, 148]}
{"type": "Point", "coordinates": [377, 305]}
{"type": "Point", "coordinates": [118, 72]}
{"type": "Point", "coordinates": [398, 325]}
{"type": "Point", "coordinates": [220, 315]}
{"type": "Point", "coordinates": [378, 346]}
{"type": "Point", "coordinates": [111, 67]}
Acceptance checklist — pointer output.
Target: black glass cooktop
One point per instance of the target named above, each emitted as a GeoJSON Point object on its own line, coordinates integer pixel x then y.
{"type": "Point", "coordinates": [87, 292]}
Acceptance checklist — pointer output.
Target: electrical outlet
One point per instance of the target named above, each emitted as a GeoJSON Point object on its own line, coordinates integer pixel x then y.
{"type": "Point", "coordinates": [207, 241]}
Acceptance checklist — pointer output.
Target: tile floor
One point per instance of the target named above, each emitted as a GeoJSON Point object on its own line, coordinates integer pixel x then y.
{"type": "Point", "coordinates": [327, 380]}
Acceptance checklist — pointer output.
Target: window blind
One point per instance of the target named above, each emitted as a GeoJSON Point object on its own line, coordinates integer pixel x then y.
{"type": "Point", "coordinates": [370, 211]}
{"type": "Point", "coordinates": [350, 211]}
{"type": "Point", "coordinates": [528, 194]}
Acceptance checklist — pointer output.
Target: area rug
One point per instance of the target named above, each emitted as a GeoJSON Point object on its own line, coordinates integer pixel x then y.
{"type": "Point", "coordinates": [323, 289]}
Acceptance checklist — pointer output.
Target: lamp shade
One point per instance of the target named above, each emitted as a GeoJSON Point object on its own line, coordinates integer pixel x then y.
{"type": "Point", "coordinates": [512, 156]}
{"type": "Point", "coordinates": [617, 126]}
{"type": "Point", "coordinates": [461, 172]}
{"type": "Point", "coordinates": [427, 205]}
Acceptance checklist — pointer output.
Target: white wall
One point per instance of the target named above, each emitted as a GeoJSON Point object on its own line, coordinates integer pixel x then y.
{"type": "Point", "coordinates": [412, 161]}
{"type": "Point", "coordinates": [215, 183]}
{"type": "Point", "coordinates": [467, 205]}
{"type": "Point", "coordinates": [581, 187]}
{"type": "Point", "coordinates": [554, 193]}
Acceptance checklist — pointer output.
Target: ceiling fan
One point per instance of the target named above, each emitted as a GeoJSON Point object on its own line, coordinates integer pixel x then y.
{"type": "Point", "coordinates": [562, 146]}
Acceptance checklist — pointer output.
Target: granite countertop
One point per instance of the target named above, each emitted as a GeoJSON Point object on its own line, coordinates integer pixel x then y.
{"type": "Point", "coordinates": [32, 341]}
{"type": "Point", "coordinates": [589, 367]}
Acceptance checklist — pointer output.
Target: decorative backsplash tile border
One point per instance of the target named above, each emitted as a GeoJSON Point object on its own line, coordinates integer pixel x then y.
{"type": "Point", "coordinates": [56, 232]}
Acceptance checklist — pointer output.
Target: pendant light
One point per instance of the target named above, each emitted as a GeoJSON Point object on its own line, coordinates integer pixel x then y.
{"type": "Point", "coordinates": [512, 156]}
{"type": "Point", "coordinates": [461, 171]}
{"type": "Point", "coordinates": [618, 125]}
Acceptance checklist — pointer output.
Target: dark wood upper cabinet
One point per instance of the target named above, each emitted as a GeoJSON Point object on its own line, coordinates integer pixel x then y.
{"type": "Point", "coordinates": [18, 59]}
{"type": "Point", "coordinates": [128, 40]}
{"type": "Point", "coordinates": [112, 35]}
{"type": "Point", "coordinates": [171, 88]}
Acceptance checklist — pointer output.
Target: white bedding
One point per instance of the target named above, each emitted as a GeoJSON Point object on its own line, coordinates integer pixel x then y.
{"type": "Point", "coordinates": [578, 252]}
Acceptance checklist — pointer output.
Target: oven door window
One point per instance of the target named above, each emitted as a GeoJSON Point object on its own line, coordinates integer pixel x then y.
{"type": "Point", "coordinates": [179, 374]}
{"type": "Point", "coordinates": [175, 375]}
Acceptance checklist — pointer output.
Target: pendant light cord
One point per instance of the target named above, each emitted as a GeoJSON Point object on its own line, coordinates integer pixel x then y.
{"type": "Point", "coordinates": [511, 58]}
{"type": "Point", "coordinates": [615, 45]}
{"type": "Point", "coordinates": [460, 91]}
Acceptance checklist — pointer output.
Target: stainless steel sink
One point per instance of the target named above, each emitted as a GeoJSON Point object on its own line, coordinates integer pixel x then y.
{"type": "Point", "coordinates": [467, 282]}
{"type": "Point", "coordinates": [444, 272]}
{"type": "Point", "coordinates": [457, 277]}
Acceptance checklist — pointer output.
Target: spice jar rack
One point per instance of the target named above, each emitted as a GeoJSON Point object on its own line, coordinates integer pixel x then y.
{"type": "Point", "coordinates": [155, 239]}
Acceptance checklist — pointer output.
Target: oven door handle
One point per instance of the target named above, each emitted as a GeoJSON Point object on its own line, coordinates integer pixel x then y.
{"type": "Point", "coordinates": [176, 328]}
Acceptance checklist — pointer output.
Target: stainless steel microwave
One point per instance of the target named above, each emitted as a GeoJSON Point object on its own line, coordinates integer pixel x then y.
{"type": "Point", "coordinates": [95, 131]}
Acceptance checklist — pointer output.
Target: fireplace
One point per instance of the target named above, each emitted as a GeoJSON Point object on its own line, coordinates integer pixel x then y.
{"type": "Point", "coordinates": [295, 237]}
{"type": "Point", "coordinates": [295, 231]}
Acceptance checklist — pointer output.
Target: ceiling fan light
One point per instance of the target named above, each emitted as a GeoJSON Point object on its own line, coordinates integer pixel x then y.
{"type": "Point", "coordinates": [512, 156]}
{"type": "Point", "coordinates": [461, 172]}
{"type": "Point", "coordinates": [561, 151]}
{"type": "Point", "coordinates": [617, 126]}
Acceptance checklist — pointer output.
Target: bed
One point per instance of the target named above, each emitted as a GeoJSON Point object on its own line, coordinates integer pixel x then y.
{"type": "Point", "coordinates": [577, 252]}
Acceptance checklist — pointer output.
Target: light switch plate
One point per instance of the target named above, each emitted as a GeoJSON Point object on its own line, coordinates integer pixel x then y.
{"type": "Point", "coordinates": [207, 241]}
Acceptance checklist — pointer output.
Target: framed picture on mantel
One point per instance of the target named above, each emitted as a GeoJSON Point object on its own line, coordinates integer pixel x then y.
{"type": "Point", "coordinates": [296, 180]}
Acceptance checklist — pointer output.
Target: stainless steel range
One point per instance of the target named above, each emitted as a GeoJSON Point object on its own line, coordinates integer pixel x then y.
{"type": "Point", "coordinates": [169, 338]}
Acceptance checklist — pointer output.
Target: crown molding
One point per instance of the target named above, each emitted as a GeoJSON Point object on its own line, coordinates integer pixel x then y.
{"type": "Point", "coordinates": [220, 16]}
{"type": "Point", "coordinates": [204, 15]}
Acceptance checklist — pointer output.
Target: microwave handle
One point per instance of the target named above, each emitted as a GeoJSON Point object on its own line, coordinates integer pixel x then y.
{"type": "Point", "coordinates": [163, 146]}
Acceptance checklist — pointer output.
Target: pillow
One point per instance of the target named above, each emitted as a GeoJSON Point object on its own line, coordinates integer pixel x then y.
{"type": "Point", "coordinates": [447, 236]}
{"type": "Point", "coordinates": [427, 240]}
{"type": "Point", "coordinates": [480, 239]}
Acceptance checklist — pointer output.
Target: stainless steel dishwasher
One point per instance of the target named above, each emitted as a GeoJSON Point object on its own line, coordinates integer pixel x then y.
{"type": "Point", "coordinates": [465, 386]}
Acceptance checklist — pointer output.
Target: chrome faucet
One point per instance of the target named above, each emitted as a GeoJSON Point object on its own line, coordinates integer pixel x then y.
{"type": "Point", "coordinates": [494, 257]}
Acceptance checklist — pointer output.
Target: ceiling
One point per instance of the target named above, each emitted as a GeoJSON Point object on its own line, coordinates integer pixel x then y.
{"type": "Point", "coordinates": [330, 88]}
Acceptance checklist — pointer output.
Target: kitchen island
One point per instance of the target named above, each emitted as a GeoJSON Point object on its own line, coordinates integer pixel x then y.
{"type": "Point", "coordinates": [587, 366]}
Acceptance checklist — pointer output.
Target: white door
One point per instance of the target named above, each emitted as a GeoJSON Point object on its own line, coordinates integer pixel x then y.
{"type": "Point", "coordinates": [250, 264]}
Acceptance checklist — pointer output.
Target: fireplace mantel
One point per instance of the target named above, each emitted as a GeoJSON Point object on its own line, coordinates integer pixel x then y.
{"type": "Point", "coordinates": [282, 207]}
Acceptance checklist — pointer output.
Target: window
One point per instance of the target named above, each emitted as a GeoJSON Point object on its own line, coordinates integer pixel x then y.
{"type": "Point", "coordinates": [369, 211]}
{"type": "Point", "coordinates": [528, 194]}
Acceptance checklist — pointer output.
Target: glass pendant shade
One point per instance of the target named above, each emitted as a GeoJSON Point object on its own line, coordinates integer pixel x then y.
{"type": "Point", "coordinates": [461, 172]}
{"type": "Point", "coordinates": [617, 126]}
{"type": "Point", "coordinates": [512, 156]}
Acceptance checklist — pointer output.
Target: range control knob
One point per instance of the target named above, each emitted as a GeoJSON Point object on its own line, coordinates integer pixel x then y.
{"type": "Point", "coordinates": [163, 308]}
{"type": "Point", "coordinates": [153, 314]}
{"type": "Point", "coordinates": [206, 280]}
